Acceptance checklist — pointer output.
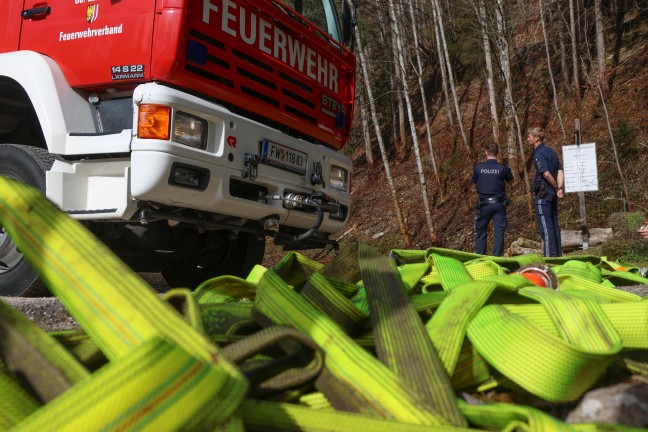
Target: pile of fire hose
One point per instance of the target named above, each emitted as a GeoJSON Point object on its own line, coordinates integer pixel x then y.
{"type": "Point", "coordinates": [365, 343]}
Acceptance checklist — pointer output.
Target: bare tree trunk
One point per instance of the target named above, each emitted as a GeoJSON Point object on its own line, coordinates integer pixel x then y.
{"type": "Point", "coordinates": [612, 141]}
{"type": "Point", "coordinates": [502, 43]}
{"type": "Point", "coordinates": [549, 68]}
{"type": "Point", "coordinates": [371, 163]}
{"type": "Point", "coordinates": [394, 110]}
{"type": "Point", "coordinates": [614, 148]}
{"type": "Point", "coordinates": [385, 41]}
{"type": "Point", "coordinates": [398, 109]}
{"type": "Point", "coordinates": [620, 11]}
{"type": "Point", "coordinates": [564, 68]}
{"type": "Point", "coordinates": [574, 46]}
{"type": "Point", "coordinates": [390, 181]}
{"type": "Point", "coordinates": [419, 75]}
{"type": "Point", "coordinates": [480, 10]}
{"type": "Point", "coordinates": [401, 142]}
{"type": "Point", "coordinates": [419, 165]}
{"type": "Point", "coordinates": [600, 47]}
{"type": "Point", "coordinates": [448, 64]}
{"type": "Point", "coordinates": [513, 129]}
{"type": "Point", "coordinates": [444, 76]}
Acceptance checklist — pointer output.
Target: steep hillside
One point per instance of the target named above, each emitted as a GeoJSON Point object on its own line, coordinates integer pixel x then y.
{"type": "Point", "coordinates": [373, 217]}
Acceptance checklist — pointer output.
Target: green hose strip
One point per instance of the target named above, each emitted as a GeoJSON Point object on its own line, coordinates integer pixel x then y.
{"type": "Point", "coordinates": [228, 319]}
{"type": "Point", "coordinates": [392, 316]}
{"type": "Point", "coordinates": [624, 278]}
{"type": "Point", "coordinates": [557, 261]}
{"type": "Point", "coordinates": [476, 269]}
{"type": "Point", "coordinates": [359, 300]}
{"type": "Point", "coordinates": [316, 401]}
{"type": "Point", "coordinates": [411, 275]}
{"type": "Point", "coordinates": [447, 327]}
{"type": "Point", "coordinates": [27, 350]}
{"type": "Point", "coordinates": [16, 403]}
{"type": "Point", "coordinates": [266, 416]}
{"type": "Point", "coordinates": [630, 320]}
{"type": "Point", "coordinates": [89, 280]}
{"type": "Point", "coordinates": [575, 283]}
{"type": "Point", "coordinates": [182, 300]}
{"type": "Point", "coordinates": [508, 417]}
{"type": "Point", "coordinates": [573, 314]}
{"type": "Point", "coordinates": [428, 300]}
{"type": "Point", "coordinates": [158, 386]}
{"type": "Point", "coordinates": [511, 263]}
{"type": "Point", "coordinates": [471, 369]}
{"type": "Point", "coordinates": [512, 282]}
{"type": "Point", "coordinates": [81, 347]}
{"type": "Point", "coordinates": [452, 272]}
{"type": "Point", "coordinates": [376, 389]}
{"type": "Point", "coordinates": [323, 295]}
{"type": "Point", "coordinates": [296, 269]}
{"type": "Point", "coordinates": [635, 366]}
{"type": "Point", "coordinates": [224, 289]}
{"type": "Point", "coordinates": [543, 364]}
{"type": "Point", "coordinates": [481, 268]}
{"type": "Point", "coordinates": [92, 283]}
{"type": "Point", "coordinates": [583, 269]}
{"type": "Point", "coordinates": [300, 365]}
{"type": "Point", "coordinates": [407, 256]}
{"type": "Point", "coordinates": [345, 267]}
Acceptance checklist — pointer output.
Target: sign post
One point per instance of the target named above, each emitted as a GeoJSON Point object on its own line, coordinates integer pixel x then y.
{"type": "Point", "coordinates": [580, 174]}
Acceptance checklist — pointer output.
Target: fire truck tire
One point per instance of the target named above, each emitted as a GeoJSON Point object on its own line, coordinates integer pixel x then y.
{"type": "Point", "coordinates": [27, 165]}
{"type": "Point", "coordinates": [218, 254]}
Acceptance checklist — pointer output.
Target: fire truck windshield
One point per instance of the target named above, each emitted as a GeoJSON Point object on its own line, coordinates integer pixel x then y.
{"type": "Point", "coordinates": [322, 13]}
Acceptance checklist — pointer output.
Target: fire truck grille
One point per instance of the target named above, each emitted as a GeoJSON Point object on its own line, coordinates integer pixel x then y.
{"type": "Point", "coordinates": [225, 67]}
{"type": "Point", "coordinates": [210, 76]}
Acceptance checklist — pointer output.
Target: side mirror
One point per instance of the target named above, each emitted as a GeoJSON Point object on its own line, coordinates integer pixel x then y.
{"type": "Point", "coordinates": [348, 22]}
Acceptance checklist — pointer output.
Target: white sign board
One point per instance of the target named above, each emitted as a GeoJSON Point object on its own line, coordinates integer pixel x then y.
{"type": "Point", "coordinates": [579, 166]}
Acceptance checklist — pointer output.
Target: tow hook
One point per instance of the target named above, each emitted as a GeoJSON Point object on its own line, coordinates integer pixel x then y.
{"type": "Point", "coordinates": [251, 163]}
{"type": "Point", "coordinates": [316, 177]}
{"type": "Point", "coordinates": [315, 200]}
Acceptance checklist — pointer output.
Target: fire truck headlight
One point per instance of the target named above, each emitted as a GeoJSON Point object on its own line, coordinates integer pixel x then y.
{"type": "Point", "coordinates": [339, 178]}
{"type": "Point", "coordinates": [190, 130]}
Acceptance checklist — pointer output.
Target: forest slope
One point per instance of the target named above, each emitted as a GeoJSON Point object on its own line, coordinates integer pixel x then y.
{"type": "Point", "coordinates": [624, 117]}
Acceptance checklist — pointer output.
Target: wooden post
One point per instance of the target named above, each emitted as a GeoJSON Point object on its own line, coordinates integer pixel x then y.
{"type": "Point", "coordinates": [581, 194]}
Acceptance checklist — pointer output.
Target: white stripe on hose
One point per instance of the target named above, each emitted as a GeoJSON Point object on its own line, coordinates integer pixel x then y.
{"type": "Point", "coordinates": [544, 225]}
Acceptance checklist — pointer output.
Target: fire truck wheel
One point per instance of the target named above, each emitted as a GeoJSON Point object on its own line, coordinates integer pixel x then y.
{"type": "Point", "coordinates": [214, 253]}
{"type": "Point", "coordinates": [27, 165]}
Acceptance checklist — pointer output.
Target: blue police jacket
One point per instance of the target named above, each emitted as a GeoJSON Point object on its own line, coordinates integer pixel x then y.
{"type": "Point", "coordinates": [546, 159]}
{"type": "Point", "coordinates": [490, 177]}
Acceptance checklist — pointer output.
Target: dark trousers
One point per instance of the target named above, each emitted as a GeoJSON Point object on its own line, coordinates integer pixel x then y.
{"type": "Point", "coordinates": [496, 213]}
{"type": "Point", "coordinates": [546, 210]}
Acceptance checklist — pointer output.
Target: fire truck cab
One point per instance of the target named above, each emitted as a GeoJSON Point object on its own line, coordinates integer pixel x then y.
{"type": "Point", "coordinates": [181, 133]}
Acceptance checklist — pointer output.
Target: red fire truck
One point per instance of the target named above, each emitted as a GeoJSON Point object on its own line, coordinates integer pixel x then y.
{"type": "Point", "coordinates": [181, 132]}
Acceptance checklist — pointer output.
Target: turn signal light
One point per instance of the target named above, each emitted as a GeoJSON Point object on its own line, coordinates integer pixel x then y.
{"type": "Point", "coordinates": [154, 122]}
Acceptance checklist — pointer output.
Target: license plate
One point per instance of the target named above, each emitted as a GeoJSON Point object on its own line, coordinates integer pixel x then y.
{"type": "Point", "coordinates": [283, 157]}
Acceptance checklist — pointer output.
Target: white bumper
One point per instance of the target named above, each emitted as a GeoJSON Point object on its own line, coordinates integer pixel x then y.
{"type": "Point", "coordinates": [86, 188]}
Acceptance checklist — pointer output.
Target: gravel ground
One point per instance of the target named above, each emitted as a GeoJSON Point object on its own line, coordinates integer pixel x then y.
{"type": "Point", "coordinates": [48, 312]}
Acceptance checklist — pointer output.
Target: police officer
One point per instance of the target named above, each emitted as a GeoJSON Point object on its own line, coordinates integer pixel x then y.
{"type": "Point", "coordinates": [547, 189]}
{"type": "Point", "coordinates": [490, 177]}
